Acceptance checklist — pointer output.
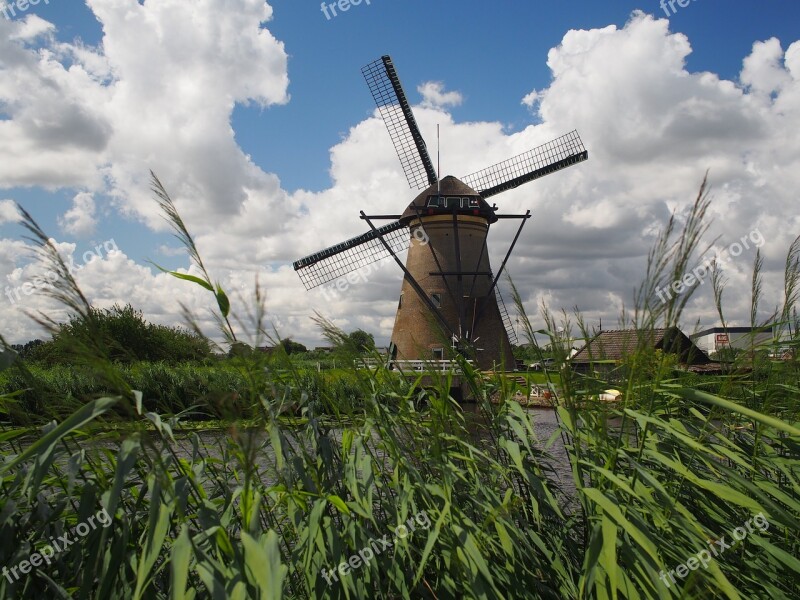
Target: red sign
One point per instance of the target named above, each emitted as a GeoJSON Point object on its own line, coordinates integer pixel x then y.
{"type": "Point", "coordinates": [722, 340]}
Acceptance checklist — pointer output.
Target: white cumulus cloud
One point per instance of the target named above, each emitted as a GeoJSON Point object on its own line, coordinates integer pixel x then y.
{"type": "Point", "coordinates": [435, 96]}
{"type": "Point", "coordinates": [80, 220]}
{"type": "Point", "coordinates": [8, 212]}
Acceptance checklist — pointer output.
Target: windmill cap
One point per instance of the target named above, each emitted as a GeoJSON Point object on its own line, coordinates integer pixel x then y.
{"type": "Point", "coordinates": [447, 187]}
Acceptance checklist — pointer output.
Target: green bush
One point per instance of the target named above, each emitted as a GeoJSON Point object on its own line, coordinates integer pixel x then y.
{"type": "Point", "coordinates": [124, 336]}
{"type": "Point", "coordinates": [53, 392]}
{"type": "Point", "coordinates": [216, 391]}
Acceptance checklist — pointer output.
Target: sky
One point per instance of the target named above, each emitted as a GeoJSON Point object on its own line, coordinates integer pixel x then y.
{"type": "Point", "coordinates": [256, 118]}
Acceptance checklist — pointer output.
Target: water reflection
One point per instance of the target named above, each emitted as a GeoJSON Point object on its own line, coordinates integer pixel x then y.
{"type": "Point", "coordinates": [545, 425]}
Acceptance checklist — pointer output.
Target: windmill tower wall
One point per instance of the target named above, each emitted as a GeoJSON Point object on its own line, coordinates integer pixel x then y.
{"type": "Point", "coordinates": [417, 334]}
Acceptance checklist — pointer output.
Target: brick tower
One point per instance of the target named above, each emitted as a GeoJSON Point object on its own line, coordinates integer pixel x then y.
{"type": "Point", "coordinates": [452, 269]}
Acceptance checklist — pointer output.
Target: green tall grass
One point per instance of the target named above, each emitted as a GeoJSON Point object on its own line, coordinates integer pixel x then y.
{"type": "Point", "coordinates": [196, 391]}
{"type": "Point", "coordinates": [260, 512]}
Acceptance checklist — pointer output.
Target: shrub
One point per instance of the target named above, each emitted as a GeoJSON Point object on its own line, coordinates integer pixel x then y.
{"type": "Point", "coordinates": [124, 335]}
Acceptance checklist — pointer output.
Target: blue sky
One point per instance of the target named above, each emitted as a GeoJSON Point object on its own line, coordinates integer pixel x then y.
{"type": "Point", "coordinates": [483, 56]}
{"type": "Point", "coordinates": [271, 154]}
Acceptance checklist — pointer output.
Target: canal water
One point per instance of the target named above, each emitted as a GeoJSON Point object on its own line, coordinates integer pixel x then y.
{"type": "Point", "coordinates": [545, 426]}
{"type": "Point", "coordinates": [212, 442]}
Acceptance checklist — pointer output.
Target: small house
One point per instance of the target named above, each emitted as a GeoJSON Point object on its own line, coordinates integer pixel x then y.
{"type": "Point", "coordinates": [608, 351]}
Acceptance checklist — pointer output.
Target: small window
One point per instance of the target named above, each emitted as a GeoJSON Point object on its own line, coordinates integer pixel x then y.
{"type": "Point", "coordinates": [400, 302]}
{"type": "Point", "coordinates": [438, 354]}
{"type": "Point", "coordinates": [437, 300]}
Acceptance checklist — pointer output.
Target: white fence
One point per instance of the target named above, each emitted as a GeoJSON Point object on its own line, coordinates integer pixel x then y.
{"type": "Point", "coordinates": [426, 366]}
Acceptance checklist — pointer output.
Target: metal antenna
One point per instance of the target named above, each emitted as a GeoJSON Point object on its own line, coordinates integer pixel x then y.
{"type": "Point", "coordinates": [438, 164]}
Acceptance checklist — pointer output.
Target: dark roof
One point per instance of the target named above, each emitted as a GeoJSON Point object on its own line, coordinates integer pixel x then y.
{"type": "Point", "coordinates": [447, 186]}
{"type": "Point", "coordinates": [617, 344]}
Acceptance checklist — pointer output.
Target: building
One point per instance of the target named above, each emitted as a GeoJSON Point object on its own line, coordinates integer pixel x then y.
{"type": "Point", "coordinates": [745, 338]}
{"type": "Point", "coordinates": [608, 350]}
{"type": "Point", "coordinates": [449, 287]}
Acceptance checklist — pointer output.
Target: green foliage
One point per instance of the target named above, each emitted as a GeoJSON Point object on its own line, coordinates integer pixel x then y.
{"type": "Point", "coordinates": [292, 347]}
{"type": "Point", "coordinates": [650, 364]}
{"type": "Point", "coordinates": [650, 493]}
{"type": "Point", "coordinates": [529, 353]}
{"type": "Point", "coordinates": [26, 350]}
{"type": "Point", "coordinates": [8, 356]}
{"type": "Point", "coordinates": [52, 392]}
{"type": "Point", "coordinates": [360, 341]}
{"type": "Point", "coordinates": [240, 350]}
{"type": "Point", "coordinates": [212, 391]}
{"type": "Point", "coordinates": [125, 336]}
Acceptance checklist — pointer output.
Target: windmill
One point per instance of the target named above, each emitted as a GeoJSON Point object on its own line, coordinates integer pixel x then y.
{"type": "Point", "coordinates": [449, 300]}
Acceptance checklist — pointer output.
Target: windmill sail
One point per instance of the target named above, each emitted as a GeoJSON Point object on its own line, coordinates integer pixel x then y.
{"type": "Point", "coordinates": [393, 106]}
{"type": "Point", "coordinates": [506, 318]}
{"type": "Point", "coordinates": [339, 260]}
{"type": "Point", "coordinates": [558, 154]}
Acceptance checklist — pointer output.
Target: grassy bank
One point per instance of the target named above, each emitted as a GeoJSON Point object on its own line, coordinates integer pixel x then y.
{"type": "Point", "coordinates": [198, 391]}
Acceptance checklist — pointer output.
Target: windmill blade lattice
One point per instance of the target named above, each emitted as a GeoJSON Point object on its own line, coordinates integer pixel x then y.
{"type": "Point", "coordinates": [339, 260]}
{"type": "Point", "coordinates": [393, 106]}
{"type": "Point", "coordinates": [558, 154]}
{"type": "Point", "coordinates": [505, 317]}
